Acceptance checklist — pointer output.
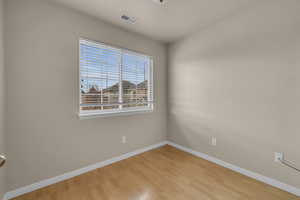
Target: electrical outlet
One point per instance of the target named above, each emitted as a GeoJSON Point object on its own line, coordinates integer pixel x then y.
{"type": "Point", "coordinates": [214, 141]}
{"type": "Point", "coordinates": [124, 139]}
{"type": "Point", "coordinates": [278, 156]}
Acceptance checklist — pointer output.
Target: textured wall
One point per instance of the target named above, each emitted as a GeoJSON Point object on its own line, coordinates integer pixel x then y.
{"type": "Point", "coordinates": [238, 80]}
{"type": "Point", "coordinates": [45, 136]}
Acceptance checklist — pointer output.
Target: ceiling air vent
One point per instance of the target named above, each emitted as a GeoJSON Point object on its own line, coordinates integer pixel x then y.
{"type": "Point", "coordinates": [160, 1]}
{"type": "Point", "coordinates": [131, 20]}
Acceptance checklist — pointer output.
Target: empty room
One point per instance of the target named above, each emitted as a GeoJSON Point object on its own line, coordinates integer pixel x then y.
{"type": "Point", "coordinates": [150, 100]}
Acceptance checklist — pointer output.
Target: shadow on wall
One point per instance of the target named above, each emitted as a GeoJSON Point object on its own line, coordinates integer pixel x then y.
{"type": "Point", "coordinates": [193, 128]}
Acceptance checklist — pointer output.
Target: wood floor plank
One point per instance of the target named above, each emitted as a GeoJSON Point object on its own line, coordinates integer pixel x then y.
{"type": "Point", "coordinates": [161, 174]}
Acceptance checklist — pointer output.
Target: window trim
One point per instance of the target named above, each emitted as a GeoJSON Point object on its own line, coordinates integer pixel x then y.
{"type": "Point", "coordinates": [117, 112]}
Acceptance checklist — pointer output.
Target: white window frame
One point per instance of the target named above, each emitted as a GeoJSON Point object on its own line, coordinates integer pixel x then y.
{"type": "Point", "coordinates": [121, 111]}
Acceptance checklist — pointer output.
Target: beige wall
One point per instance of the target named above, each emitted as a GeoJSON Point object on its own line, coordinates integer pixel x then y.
{"type": "Point", "coordinates": [45, 137]}
{"type": "Point", "coordinates": [238, 80]}
{"type": "Point", "coordinates": [2, 100]}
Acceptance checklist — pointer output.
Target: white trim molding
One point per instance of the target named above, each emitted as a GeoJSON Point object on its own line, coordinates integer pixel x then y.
{"type": "Point", "coordinates": [254, 175]}
{"type": "Point", "coordinates": [68, 175]}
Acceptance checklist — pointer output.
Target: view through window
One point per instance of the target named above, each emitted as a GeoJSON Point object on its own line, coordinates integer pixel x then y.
{"type": "Point", "coordinates": [113, 80]}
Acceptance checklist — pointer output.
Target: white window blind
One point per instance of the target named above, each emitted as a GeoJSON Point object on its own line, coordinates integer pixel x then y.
{"type": "Point", "coordinates": [113, 80]}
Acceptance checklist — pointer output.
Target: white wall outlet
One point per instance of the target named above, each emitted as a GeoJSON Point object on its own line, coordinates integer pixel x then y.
{"type": "Point", "coordinates": [278, 156]}
{"type": "Point", "coordinates": [214, 141]}
{"type": "Point", "coordinates": [124, 139]}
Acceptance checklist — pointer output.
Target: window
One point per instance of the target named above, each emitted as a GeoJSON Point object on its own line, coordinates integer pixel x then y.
{"type": "Point", "coordinates": [114, 80]}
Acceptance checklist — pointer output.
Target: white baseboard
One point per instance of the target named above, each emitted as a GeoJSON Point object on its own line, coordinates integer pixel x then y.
{"type": "Point", "coordinates": [259, 177]}
{"type": "Point", "coordinates": [68, 175]}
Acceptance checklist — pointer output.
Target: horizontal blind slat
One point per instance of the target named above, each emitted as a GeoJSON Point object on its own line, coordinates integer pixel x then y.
{"type": "Point", "coordinates": [100, 77]}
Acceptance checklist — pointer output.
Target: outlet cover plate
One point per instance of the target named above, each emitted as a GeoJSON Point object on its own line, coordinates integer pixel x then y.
{"type": "Point", "coordinates": [214, 141]}
{"type": "Point", "coordinates": [278, 156]}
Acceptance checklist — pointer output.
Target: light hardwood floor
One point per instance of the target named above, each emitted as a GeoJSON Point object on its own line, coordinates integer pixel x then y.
{"type": "Point", "coordinates": [165, 174]}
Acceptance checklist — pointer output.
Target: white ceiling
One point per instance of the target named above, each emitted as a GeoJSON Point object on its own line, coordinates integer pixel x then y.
{"type": "Point", "coordinates": [167, 23]}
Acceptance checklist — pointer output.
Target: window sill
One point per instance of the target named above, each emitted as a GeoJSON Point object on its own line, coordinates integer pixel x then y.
{"type": "Point", "coordinates": [91, 115]}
